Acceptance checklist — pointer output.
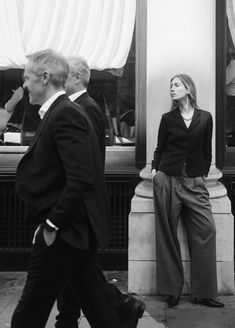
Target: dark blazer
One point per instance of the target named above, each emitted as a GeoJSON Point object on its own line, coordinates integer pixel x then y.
{"type": "Point", "coordinates": [61, 177]}
{"type": "Point", "coordinates": [178, 144]}
{"type": "Point", "coordinates": [97, 118]}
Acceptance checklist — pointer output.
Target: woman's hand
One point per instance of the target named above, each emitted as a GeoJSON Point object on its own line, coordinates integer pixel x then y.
{"type": "Point", "coordinates": [153, 173]}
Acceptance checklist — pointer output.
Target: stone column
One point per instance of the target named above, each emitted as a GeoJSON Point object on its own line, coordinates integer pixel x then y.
{"type": "Point", "coordinates": [175, 45]}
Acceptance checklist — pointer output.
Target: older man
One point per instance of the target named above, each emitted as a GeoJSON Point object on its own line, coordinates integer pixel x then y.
{"type": "Point", "coordinates": [128, 308]}
{"type": "Point", "coordinates": [61, 180]}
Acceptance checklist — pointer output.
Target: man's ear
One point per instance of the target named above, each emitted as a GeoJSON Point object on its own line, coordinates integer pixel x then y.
{"type": "Point", "coordinates": [45, 77]}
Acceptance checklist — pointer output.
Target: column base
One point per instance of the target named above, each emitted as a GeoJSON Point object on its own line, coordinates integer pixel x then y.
{"type": "Point", "coordinates": [142, 255]}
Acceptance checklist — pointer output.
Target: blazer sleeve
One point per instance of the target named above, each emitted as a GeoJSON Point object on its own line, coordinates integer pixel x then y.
{"type": "Point", "coordinates": [71, 136]}
{"type": "Point", "coordinates": [207, 144]}
{"type": "Point", "coordinates": [161, 143]}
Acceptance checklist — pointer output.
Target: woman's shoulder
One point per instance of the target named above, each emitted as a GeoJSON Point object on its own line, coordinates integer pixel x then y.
{"type": "Point", "coordinates": [170, 113]}
{"type": "Point", "coordinates": [204, 112]}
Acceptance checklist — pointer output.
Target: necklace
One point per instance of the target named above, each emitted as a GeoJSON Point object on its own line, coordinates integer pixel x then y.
{"type": "Point", "coordinates": [187, 118]}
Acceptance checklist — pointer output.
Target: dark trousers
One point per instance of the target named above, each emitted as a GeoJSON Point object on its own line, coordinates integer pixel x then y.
{"type": "Point", "coordinates": [49, 268]}
{"type": "Point", "coordinates": [186, 197]}
{"type": "Point", "coordinates": [69, 307]}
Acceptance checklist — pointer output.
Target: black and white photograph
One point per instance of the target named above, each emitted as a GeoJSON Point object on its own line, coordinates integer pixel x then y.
{"type": "Point", "coordinates": [117, 163]}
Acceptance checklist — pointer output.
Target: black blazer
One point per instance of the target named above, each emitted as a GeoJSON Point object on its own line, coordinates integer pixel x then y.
{"type": "Point", "coordinates": [97, 118]}
{"type": "Point", "coordinates": [178, 144]}
{"type": "Point", "coordinates": [61, 177]}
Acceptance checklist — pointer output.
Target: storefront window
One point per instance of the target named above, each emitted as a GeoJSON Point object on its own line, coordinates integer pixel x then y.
{"type": "Point", "coordinates": [18, 118]}
{"type": "Point", "coordinates": [225, 110]}
{"type": "Point", "coordinates": [114, 90]}
{"type": "Point", "coordinates": [230, 80]}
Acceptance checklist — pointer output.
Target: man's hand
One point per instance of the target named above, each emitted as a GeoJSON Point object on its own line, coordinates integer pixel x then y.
{"type": "Point", "coordinates": [49, 236]}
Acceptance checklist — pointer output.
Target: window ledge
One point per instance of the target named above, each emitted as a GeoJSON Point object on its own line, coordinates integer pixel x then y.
{"type": "Point", "coordinates": [120, 160]}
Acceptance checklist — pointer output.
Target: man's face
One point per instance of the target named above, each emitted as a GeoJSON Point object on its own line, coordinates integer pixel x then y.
{"type": "Point", "coordinates": [34, 83]}
{"type": "Point", "coordinates": [70, 85]}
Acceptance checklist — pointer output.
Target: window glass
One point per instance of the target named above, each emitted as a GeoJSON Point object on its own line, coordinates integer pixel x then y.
{"type": "Point", "coordinates": [19, 119]}
{"type": "Point", "coordinates": [230, 82]}
{"type": "Point", "coordinates": [113, 89]}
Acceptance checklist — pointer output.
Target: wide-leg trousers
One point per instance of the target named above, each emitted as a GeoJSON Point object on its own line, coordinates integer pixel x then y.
{"type": "Point", "coordinates": [182, 196]}
{"type": "Point", "coordinates": [49, 269]}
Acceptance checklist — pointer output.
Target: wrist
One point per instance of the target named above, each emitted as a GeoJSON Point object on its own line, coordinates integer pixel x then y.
{"type": "Point", "coordinates": [49, 226]}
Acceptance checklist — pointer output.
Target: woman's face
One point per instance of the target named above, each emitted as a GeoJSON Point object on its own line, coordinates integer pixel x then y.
{"type": "Point", "coordinates": [178, 90]}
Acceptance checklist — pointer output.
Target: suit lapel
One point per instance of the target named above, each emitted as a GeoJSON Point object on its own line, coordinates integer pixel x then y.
{"type": "Point", "coordinates": [196, 119]}
{"type": "Point", "coordinates": [44, 120]}
{"type": "Point", "coordinates": [179, 119]}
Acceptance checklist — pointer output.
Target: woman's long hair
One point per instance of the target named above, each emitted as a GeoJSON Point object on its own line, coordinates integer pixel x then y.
{"type": "Point", "coordinates": [190, 86]}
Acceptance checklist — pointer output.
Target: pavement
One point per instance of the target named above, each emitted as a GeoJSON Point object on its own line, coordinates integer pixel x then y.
{"type": "Point", "coordinates": [157, 315]}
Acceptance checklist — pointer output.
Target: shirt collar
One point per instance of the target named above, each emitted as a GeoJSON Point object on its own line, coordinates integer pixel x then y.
{"type": "Point", "coordinates": [77, 94]}
{"type": "Point", "coordinates": [42, 111]}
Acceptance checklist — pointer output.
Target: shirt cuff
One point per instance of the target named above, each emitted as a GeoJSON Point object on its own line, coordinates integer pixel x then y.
{"type": "Point", "coordinates": [51, 224]}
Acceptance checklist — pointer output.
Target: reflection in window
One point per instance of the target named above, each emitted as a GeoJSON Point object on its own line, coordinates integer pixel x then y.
{"type": "Point", "coordinates": [230, 76]}
{"type": "Point", "coordinates": [19, 119]}
{"type": "Point", "coordinates": [114, 90]}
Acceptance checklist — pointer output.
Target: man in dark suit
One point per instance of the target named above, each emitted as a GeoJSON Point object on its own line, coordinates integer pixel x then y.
{"type": "Point", "coordinates": [76, 88]}
{"type": "Point", "coordinates": [61, 180]}
{"type": "Point", "coordinates": [128, 308]}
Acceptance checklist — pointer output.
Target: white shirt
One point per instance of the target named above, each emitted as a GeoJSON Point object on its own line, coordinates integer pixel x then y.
{"type": "Point", "coordinates": [187, 122]}
{"type": "Point", "coordinates": [42, 111]}
{"type": "Point", "coordinates": [77, 94]}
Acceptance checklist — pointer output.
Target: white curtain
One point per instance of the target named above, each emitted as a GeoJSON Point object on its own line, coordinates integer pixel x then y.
{"type": "Point", "coordinates": [99, 30]}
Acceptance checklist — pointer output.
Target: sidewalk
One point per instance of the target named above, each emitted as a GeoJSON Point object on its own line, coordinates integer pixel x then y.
{"type": "Point", "coordinates": [157, 315]}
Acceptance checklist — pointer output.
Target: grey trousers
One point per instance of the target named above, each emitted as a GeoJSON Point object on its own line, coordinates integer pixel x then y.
{"type": "Point", "coordinates": [182, 196]}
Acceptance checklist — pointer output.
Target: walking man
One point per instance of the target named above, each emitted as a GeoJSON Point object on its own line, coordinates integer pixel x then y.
{"type": "Point", "coordinates": [129, 309]}
{"type": "Point", "coordinates": [61, 180]}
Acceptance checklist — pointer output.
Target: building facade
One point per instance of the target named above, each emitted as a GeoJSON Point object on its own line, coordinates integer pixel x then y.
{"type": "Point", "coordinates": [170, 37]}
{"type": "Point", "coordinates": [183, 37]}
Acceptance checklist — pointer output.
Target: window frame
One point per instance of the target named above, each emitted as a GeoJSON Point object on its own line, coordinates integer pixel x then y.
{"type": "Point", "coordinates": [10, 155]}
{"type": "Point", "coordinates": [141, 80]}
{"type": "Point", "coordinates": [225, 156]}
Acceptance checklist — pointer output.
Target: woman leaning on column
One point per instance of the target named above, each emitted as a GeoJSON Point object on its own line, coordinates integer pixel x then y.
{"type": "Point", "coordinates": [180, 164]}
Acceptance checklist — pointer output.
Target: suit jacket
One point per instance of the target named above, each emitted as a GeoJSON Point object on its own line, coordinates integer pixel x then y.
{"type": "Point", "coordinates": [178, 144]}
{"type": "Point", "coordinates": [97, 118]}
{"type": "Point", "coordinates": [61, 177]}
